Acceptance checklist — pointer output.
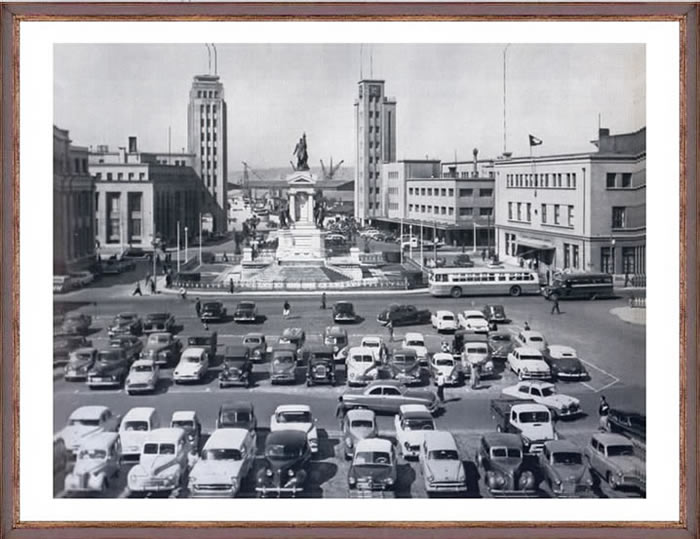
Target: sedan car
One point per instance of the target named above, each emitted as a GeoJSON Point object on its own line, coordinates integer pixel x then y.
{"type": "Point", "coordinates": [528, 363]}
{"type": "Point", "coordinates": [131, 345]}
{"type": "Point", "coordinates": [283, 365]}
{"type": "Point", "coordinates": [336, 337]}
{"type": "Point", "coordinates": [98, 461]}
{"type": "Point", "coordinates": [628, 423]}
{"type": "Point", "coordinates": [79, 364]}
{"type": "Point", "coordinates": [500, 457]}
{"type": "Point", "coordinates": [295, 336]}
{"type": "Point", "coordinates": [403, 365]}
{"type": "Point", "coordinates": [355, 426]}
{"type": "Point", "coordinates": [564, 470]}
{"type": "Point", "coordinates": [473, 320]}
{"type": "Point", "coordinates": [209, 342]}
{"type": "Point", "coordinates": [564, 363]}
{"type": "Point", "coordinates": [410, 424]}
{"type": "Point", "coordinates": [192, 367]}
{"type": "Point", "coordinates": [158, 322]}
{"type": "Point", "coordinates": [63, 345]}
{"type": "Point", "coordinates": [188, 421]}
{"type": "Point", "coordinates": [495, 313]}
{"type": "Point", "coordinates": [344, 311]}
{"type": "Point", "coordinates": [404, 315]}
{"type": "Point", "coordinates": [373, 468]}
{"type": "Point", "coordinates": [376, 344]}
{"type": "Point", "coordinates": [561, 406]}
{"type": "Point", "coordinates": [387, 396]}
{"type": "Point", "coordinates": [110, 369]}
{"type": "Point", "coordinates": [296, 417]}
{"type": "Point", "coordinates": [612, 457]}
{"type": "Point", "coordinates": [320, 368]}
{"type": "Point", "coordinates": [445, 363]}
{"type": "Point", "coordinates": [84, 422]}
{"type": "Point", "coordinates": [236, 368]}
{"type": "Point", "coordinates": [143, 377]}
{"type": "Point", "coordinates": [77, 323]}
{"type": "Point", "coordinates": [463, 261]}
{"type": "Point", "coordinates": [163, 462]}
{"type": "Point", "coordinates": [440, 464]}
{"type": "Point", "coordinates": [236, 415]}
{"type": "Point", "coordinates": [126, 324]}
{"type": "Point", "coordinates": [256, 345]}
{"type": "Point", "coordinates": [500, 344]}
{"type": "Point", "coordinates": [444, 321]}
{"type": "Point", "coordinates": [246, 311]}
{"type": "Point", "coordinates": [286, 466]}
{"type": "Point", "coordinates": [531, 339]}
{"type": "Point", "coordinates": [162, 348]}
{"type": "Point", "coordinates": [213, 311]}
{"type": "Point", "coordinates": [416, 342]}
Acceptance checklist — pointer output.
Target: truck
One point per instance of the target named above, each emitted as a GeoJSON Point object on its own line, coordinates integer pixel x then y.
{"type": "Point", "coordinates": [532, 421]}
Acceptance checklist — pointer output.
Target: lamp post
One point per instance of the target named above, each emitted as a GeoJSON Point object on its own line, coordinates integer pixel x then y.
{"type": "Point", "coordinates": [200, 239]}
{"type": "Point", "coordinates": [154, 243]}
{"type": "Point", "coordinates": [185, 245]}
{"type": "Point", "coordinates": [178, 246]}
{"type": "Point", "coordinates": [612, 256]}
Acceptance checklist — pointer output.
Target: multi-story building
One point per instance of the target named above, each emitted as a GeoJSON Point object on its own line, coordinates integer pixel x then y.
{"type": "Point", "coordinates": [207, 139]}
{"type": "Point", "coordinates": [73, 198]}
{"type": "Point", "coordinates": [375, 128]}
{"type": "Point", "coordinates": [583, 211]}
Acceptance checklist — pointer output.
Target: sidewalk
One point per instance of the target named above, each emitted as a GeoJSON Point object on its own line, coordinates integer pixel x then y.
{"type": "Point", "coordinates": [631, 315]}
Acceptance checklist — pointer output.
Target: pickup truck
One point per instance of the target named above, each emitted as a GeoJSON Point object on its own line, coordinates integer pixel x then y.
{"type": "Point", "coordinates": [532, 421]}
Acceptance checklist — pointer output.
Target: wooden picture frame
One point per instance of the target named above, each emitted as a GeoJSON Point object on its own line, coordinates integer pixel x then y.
{"type": "Point", "coordinates": [686, 14]}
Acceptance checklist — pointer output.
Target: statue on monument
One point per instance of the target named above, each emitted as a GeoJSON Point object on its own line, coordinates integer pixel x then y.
{"type": "Point", "coordinates": [301, 154]}
{"type": "Point", "coordinates": [319, 209]}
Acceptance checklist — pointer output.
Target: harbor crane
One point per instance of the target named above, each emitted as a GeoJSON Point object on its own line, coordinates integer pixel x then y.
{"type": "Point", "coordinates": [329, 172]}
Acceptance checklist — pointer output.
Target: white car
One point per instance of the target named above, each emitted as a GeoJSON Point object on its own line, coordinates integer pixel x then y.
{"type": "Point", "coordinates": [474, 320]}
{"type": "Point", "coordinates": [361, 366]}
{"type": "Point", "coordinates": [134, 428]}
{"type": "Point", "coordinates": [163, 462]}
{"type": "Point", "coordinates": [412, 421]}
{"type": "Point", "coordinates": [531, 339]}
{"type": "Point", "coordinates": [528, 363]}
{"type": "Point", "coordinates": [545, 393]}
{"type": "Point", "coordinates": [296, 417]}
{"type": "Point", "coordinates": [192, 366]}
{"type": "Point", "coordinates": [440, 464]}
{"type": "Point", "coordinates": [143, 376]}
{"type": "Point", "coordinates": [376, 344]}
{"type": "Point", "coordinates": [97, 462]}
{"type": "Point", "coordinates": [416, 341]}
{"type": "Point", "coordinates": [444, 321]}
{"type": "Point", "coordinates": [85, 422]}
{"type": "Point", "coordinates": [445, 364]}
{"type": "Point", "coordinates": [225, 462]}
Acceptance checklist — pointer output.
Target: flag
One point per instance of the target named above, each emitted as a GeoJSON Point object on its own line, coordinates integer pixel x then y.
{"type": "Point", "coordinates": [534, 141]}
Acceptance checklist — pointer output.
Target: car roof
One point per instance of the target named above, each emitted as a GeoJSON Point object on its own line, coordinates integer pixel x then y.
{"type": "Point", "coordinates": [561, 349]}
{"type": "Point", "coordinates": [254, 334]}
{"type": "Point", "coordinates": [99, 440]}
{"type": "Point", "coordinates": [343, 303]}
{"type": "Point", "coordinates": [336, 331]}
{"type": "Point", "coordinates": [246, 303]}
{"type": "Point", "coordinates": [394, 383]}
{"type": "Point", "coordinates": [292, 408]}
{"type": "Point", "coordinates": [165, 435]}
{"type": "Point", "coordinates": [126, 314]}
{"type": "Point", "coordinates": [158, 315]}
{"type": "Point", "coordinates": [561, 445]}
{"type": "Point", "coordinates": [414, 410]}
{"type": "Point", "coordinates": [225, 438]}
{"type": "Point", "coordinates": [361, 414]}
{"type": "Point", "coordinates": [292, 331]}
{"type": "Point", "coordinates": [139, 412]}
{"type": "Point", "coordinates": [527, 333]}
{"type": "Point", "coordinates": [505, 439]}
{"type": "Point", "coordinates": [160, 334]}
{"type": "Point", "coordinates": [369, 338]}
{"type": "Point", "coordinates": [324, 348]}
{"type": "Point", "coordinates": [413, 335]}
{"type": "Point", "coordinates": [473, 312]}
{"type": "Point", "coordinates": [239, 406]}
{"type": "Point", "coordinates": [373, 444]}
{"type": "Point", "coordinates": [443, 313]}
{"type": "Point", "coordinates": [284, 347]}
{"type": "Point", "coordinates": [143, 363]}
{"type": "Point", "coordinates": [443, 355]}
{"type": "Point", "coordinates": [184, 415]}
{"type": "Point", "coordinates": [500, 334]}
{"type": "Point", "coordinates": [287, 437]}
{"type": "Point", "coordinates": [439, 439]}
{"type": "Point", "coordinates": [404, 351]}
{"type": "Point", "coordinates": [528, 350]}
{"type": "Point", "coordinates": [88, 412]}
{"type": "Point", "coordinates": [193, 351]}
{"type": "Point", "coordinates": [210, 303]}
{"type": "Point", "coordinates": [536, 383]}
{"type": "Point", "coordinates": [609, 438]}
{"type": "Point", "coordinates": [627, 412]}
{"type": "Point", "coordinates": [362, 350]}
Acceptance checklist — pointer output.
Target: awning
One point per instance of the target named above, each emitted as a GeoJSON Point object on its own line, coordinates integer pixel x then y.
{"type": "Point", "coordinates": [528, 248]}
{"type": "Point", "coordinates": [529, 243]}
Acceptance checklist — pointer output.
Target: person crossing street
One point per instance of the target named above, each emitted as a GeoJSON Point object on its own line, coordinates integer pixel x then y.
{"type": "Point", "coordinates": [390, 329]}
{"type": "Point", "coordinates": [555, 304]}
{"type": "Point", "coordinates": [198, 308]}
{"type": "Point", "coordinates": [440, 384]}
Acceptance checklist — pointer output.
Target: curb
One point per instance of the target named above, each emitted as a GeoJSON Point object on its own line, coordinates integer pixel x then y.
{"type": "Point", "coordinates": [292, 293]}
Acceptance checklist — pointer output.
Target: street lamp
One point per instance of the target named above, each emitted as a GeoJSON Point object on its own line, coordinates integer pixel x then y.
{"type": "Point", "coordinates": [185, 245]}
{"type": "Point", "coordinates": [612, 255]}
{"type": "Point", "coordinates": [154, 243]}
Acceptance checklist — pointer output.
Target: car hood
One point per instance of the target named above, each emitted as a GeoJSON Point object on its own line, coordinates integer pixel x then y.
{"type": "Point", "coordinates": [139, 377]}
{"type": "Point", "coordinates": [73, 435]}
{"type": "Point", "coordinates": [83, 466]}
{"type": "Point", "coordinates": [404, 367]}
{"type": "Point", "coordinates": [537, 431]}
{"type": "Point", "coordinates": [447, 370]}
{"type": "Point", "coordinates": [301, 427]}
{"type": "Point", "coordinates": [372, 472]}
{"type": "Point", "coordinates": [132, 438]}
{"type": "Point", "coordinates": [629, 465]}
{"type": "Point", "coordinates": [413, 437]}
{"type": "Point", "coordinates": [215, 471]}
{"type": "Point", "coordinates": [570, 474]}
{"type": "Point", "coordinates": [156, 347]}
{"type": "Point", "coordinates": [559, 401]}
{"type": "Point", "coordinates": [77, 363]}
{"type": "Point", "coordinates": [361, 433]}
{"type": "Point", "coordinates": [234, 364]}
{"type": "Point", "coordinates": [121, 324]}
{"type": "Point", "coordinates": [154, 465]}
{"type": "Point", "coordinates": [534, 365]}
{"type": "Point", "coordinates": [420, 350]}
{"type": "Point", "coordinates": [188, 368]}
{"type": "Point", "coordinates": [507, 466]}
{"type": "Point", "coordinates": [106, 368]}
{"type": "Point", "coordinates": [444, 469]}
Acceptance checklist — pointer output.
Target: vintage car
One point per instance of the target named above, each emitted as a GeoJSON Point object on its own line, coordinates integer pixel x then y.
{"type": "Point", "coordinates": [246, 311]}
{"type": "Point", "coordinates": [236, 367]}
{"type": "Point", "coordinates": [475, 351]}
{"type": "Point", "coordinates": [134, 428]}
{"type": "Point", "coordinates": [82, 278]}
{"type": "Point", "coordinates": [500, 456]}
{"type": "Point", "coordinates": [463, 261]}
{"type": "Point", "coordinates": [110, 368]}
{"type": "Point", "coordinates": [415, 341]}
{"type": "Point", "coordinates": [163, 462]}
{"type": "Point", "coordinates": [158, 322]}
{"type": "Point", "coordinates": [213, 311]}
{"type": "Point", "coordinates": [361, 366]}
{"type": "Point", "coordinates": [444, 321]}
{"type": "Point", "coordinates": [373, 469]}
{"type": "Point", "coordinates": [189, 422]}
{"type": "Point", "coordinates": [226, 460]}
{"type": "Point", "coordinates": [240, 415]}
{"type": "Point", "coordinates": [355, 426]}
{"type": "Point", "coordinates": [336, 337]}
{"type": "Point", "coordinates": [79, 364]}
{"type": "Point", "coordinates": [564, 363]}
{"type": "Point", "coordinates": [495, 313]}
{"type": "Point", "coordinates": [444, 363]}
{"type": "Point", "coordinates": [257, 346]}
{"type": "Point", "coordinates": [296, 417]}
{"type": "Point", "coordinates": [561, 406]}
{"type": "Point", "coordinates": [531, 339]}
{"type": "Point", "coordinates": [376, 344]}
{"type": "Point", "coordinates": [412, 421]}
{"type": "Point", "coordinates": [283, 366]}
{"type": "Point", "coordinates": [295, 336]}
{"type": "Point", "coordinates": [387, 396]}
{"type": "Point", "coordinates": [287, 462]}
{"type": "Point", "coordinates": [192, 367]}
{"type": "Point", "coordinates": [404, 366]}
{"type": "Point", "coordinates": [125, 324]}
{"type": "Point", "coordinates": [529, 364]}
{"type": "Point", "coordinates": [564, 470]}
{"type": "Point", "coordinates": [97, 462]}
{"type": "Point", "coordinates": [473, 320]}
{"type": "Point", "coordinates": [344, 311]}
{"type": "Point", "coordinates": [63, 345]}
{"type": "Point", "coordinates": [209, 342]}
{"type": "Point", "coordinates": [131, 345]}
{"type": "Point", "coordinates": [440, 465]}
{"type": "Point", "coordinates": [500, 344]}
{"type": "Point", "coordinates": [84, 422]}
{"type": "Point", "coordinates": [612, 457]}
{"type": "Point", "coordinates": [143, 377]}
{"type": "Point", "coordinates": [320, 367]}
{"type": "Point", "coordinates": [627, 422]}
{"type": "Point", "coordinates": [162, 348]}
{"type": "Point", "coordinates": [76, 323]}
{"type": "Point", "coordinates": [404, 315]}
{"type": "Point", "coordinates": [532, 421]}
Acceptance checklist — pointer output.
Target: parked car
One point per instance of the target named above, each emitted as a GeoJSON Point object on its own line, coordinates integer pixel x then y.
{"type": "Point", "coordinates": [564, 363]}
{"type": "Point", "coordinates": [355, 426]}
{"type": "Point", "coordinates": [336, 337]}
{"type": "Point", "coordinates": [283, 366]}
{"type": "Point", "coordinates": [98, 461]}
{"type": "Point", "coordinates": [474, 320]}
{"type": "Point", "coordinates": [612, 457]}
{"type": "Point", "coordinates": [627, 422]}
{"type": "Point", "coordinates": [476, 351]}
{"type": "Point", "coordinates": [387, 396]}
{"type": "Point", "coordinates": [192, 367]}
{"type": "Point", "coordinates": [257, 346]}
{"type": "Point", "coordinates": [226, 460]}
{"type": "Point", "coordinates": [134, 429]}
{"type": "Point", "coordinates": [296, 417]}
{"type": "Point", "coordinates": [495, 313]}
{"type": "Point", "coordinates": [163, 462]}
{"type": "Point", "coordinates": [404, 366]}
{"type": "Point", "coordinates": [63, 284]}
{"type": "Point", "coordinates": [438, 262]}
{"type": "Point", "coordinates": [372, 472]}
{"type": "Point", "coordinates": [209, 342]}
{"type": "Point", "coordinates": [295, 336]}
{"type": "Point", "coordinates": [143, 377]}
{"type": "Point", "coordinates": [412, 421]}
{"type": "Point", "coordinates": [287, 463]}
{"type": "Point", "coordinates": [416, 342]}
{"type": "Point", "coordinates": [79, 364]}
{"type": "Point", "coordinates": [246, 311]}
{"type": "Point", "coordinates": [213, 311]}
{"type": "Point", "coordinates": [237, 367]}
{"type": "Point", "coordinates": [545, 393]}
{"type": "Point", "coordinates": [188, 421]}
{"type": "Point", "coordinates": [528, 364]}
{"type": "Point", "coordinates": [404, 315]}
{"type": "Point", "coordinates": [451, 368]}
{"type": "Point", "coordinates": [110, 369]}
{"type": "Point", "coordinates": [236, 415]}
{"type": "Point", "coordinates": [565, 471]}
{"type": "Point", "coordinates": [135, 253]}
{"type": "Point", "coordinates": [362, 366]}
{"type": "Point", "coordinates": [320, 366]}
{"type": "Point", "coordinates": [85, 422]}
{"type": "Point", "coordinates": [76, 323]}
{"type": "Point", "coordinates": [162, 348]}
{"type": "Point", "coordinates": [376, 344]}
{"type": "Point", "coordinates": [440, 464]}
{"type": "Point", "coordinates": [158, 322]}
{"type": "Point", "coordinates": [531, 339]}
{"type": "Point", "coordinates": [444, 321]}
{"type": "Point", "coordinates": [500, 344]}
{"type": "Point", "coordinates": [532, 421]}
{"type": "Point", "coordinates": [126, 324]}
{"type": "Point", "coordinates": [82, 278]}
{"type": "Point", "coordinates": [500, 457]}
{"type": "Point", "coordinates": [131, 345]}
{"type": "Point", "coordinates": [63, 345]}
{"type": "Point", "coordinates": [344, 311]}
{"type": "Point", "coordinates": [463, 261]}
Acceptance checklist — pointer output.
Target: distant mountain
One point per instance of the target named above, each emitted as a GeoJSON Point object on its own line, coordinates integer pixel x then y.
{"type": "Point", "coordinates": [344, 173]}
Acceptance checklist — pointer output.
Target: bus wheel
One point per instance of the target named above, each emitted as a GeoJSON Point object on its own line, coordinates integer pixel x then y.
{"type": "Point", "coordinates": [456, 292]}
{"type": "Point", "coordinates": [515, 291]}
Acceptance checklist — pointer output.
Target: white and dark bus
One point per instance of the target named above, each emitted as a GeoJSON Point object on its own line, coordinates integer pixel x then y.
{"type": "Point", "coordinates": [458, 282]}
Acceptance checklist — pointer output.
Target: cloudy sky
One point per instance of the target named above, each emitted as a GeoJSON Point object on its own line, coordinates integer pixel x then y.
{"type": "Point", "coordinates": [449, 97]}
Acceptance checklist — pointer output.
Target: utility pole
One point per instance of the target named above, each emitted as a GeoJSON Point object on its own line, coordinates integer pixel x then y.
{"type": "Point", "coordinates": [505, 50]}
{"type": "Point", "coordinates": [200, 239]}
{"type": "Point", "coordinates": [178, 246]}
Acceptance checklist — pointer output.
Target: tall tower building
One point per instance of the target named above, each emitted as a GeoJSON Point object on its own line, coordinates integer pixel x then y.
{"type": "Point", "coordinates": [206, 139]}
{"type": "Point", "coordinates": [375, 127]}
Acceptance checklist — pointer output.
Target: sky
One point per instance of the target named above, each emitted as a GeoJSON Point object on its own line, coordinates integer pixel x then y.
{"type": "Point", "coordinates": [449, 97]}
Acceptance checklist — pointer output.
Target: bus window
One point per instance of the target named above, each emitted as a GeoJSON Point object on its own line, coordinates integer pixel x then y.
{"type": "Point", "coordinates": [491, 277]}
{"type": "Point", "coordinates": [501, 276]}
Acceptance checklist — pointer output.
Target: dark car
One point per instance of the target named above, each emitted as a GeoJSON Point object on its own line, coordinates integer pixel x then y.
{"type": "Point", "coordinates": [295, 336]}
{"type": "Point", "coordinates": [79, 364]}
{"type": "Point", "coordinates": [287, 462]}
{"type": "Point", "coordinates": [236, 368]}
{"type": "Point", "coordinates": [565, 470]}
{"type": "Point", "coordinates": [337, 338]}
{"type": "Point", "coordinates": [404, 366]}
{"type": "Point", "coordinates": [464, 261]}
{"type": "Point", "coordinates": [495, 313]}
{"type": "Point", "coordinates": [500, 456]}
{"type": "Point", "coordinates": [131, 345]}
{"type": "Point", "coordinates": [158, 322]}
{"type": "Point", "coordinates": [213, 311]}
{"type": "Point", "coordinates": [631, 424]}
{"type": "Point", "coordinates": [387, 396]}
{"type": "Point", "coordinates": [236, 415]}
{"type": "Point", "coordinates": [162, 348]}
{"type": "Point", "coordinates": [404, 315]}
{"type": "Point", "coordinates": [373, 469]}
{"type": "Point", "coordinates": [63, 345]}
{"type": "Point", "coordinates": [344, 311]}
{"type": "Point", "coordinates": [501, 344]}
{"type": "Point", "coordinates": [110, 369]}
{"type": "Point", "coordinates": [321, 366]}
{"type": "Point", "coordinates": [246, 311]}
{"type": "Point", "coordinates": [257, 345]}
{"type": "Point", "coordinates": [76, 323]}
{"type": "Point", "coordinates": [135, 253]}
{"type": "Point", "coordinates": [209, 342]}
{"type": "Point", "coordinates": [564, 364]}
{"type": "Point", "coordinates": [283, 366]}
{"type": "Point", "coordinates": [126, 324]}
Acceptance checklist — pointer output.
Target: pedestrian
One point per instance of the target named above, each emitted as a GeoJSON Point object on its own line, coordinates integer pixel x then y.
{"type": "Point", "coordinates": [476, 375]}
{"type": "Point", "coordinates": [286, 309]}
{"type": "Point", "coordinates": [526, 326]}
{"type": "Point", "coordinates": [390, 329]}
{"type": "Point", "coordinates": [323, 300]}
{"type": "Point", "coordinates": [555, 304]}
{"type": "Point", "coordinates": [493, 326]}
{"type": "Point", "coordinates": [483, 255]}
{"type": "Point", "coordinates": [137, 290]}
{"type": "Point", "coordinates": [183, 293]}
{"type": "Point", "coordinates": [168, 280]}
{"type": "Point", "coordinates": [627, 279]}
{"type": "Point", "coordinates": [198, 307]}
{"type": "Point", "coordinates": [440, 383]}
{"type": "Point", "coordinates": [153, 286]}
{"type": "Point", "coordinates": [603, 411]}
{"type": "Point", "coordinates": [206, 325]}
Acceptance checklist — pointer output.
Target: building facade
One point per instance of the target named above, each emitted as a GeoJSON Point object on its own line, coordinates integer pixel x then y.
{"type": "Point", "coordinates": [73, 199]}
{"type": "Point", "coordinates": [375, 128]}
{"type": "Point", "coordinates": [583, 212]}
{"type": "Point", "coordinates": [207, 141]}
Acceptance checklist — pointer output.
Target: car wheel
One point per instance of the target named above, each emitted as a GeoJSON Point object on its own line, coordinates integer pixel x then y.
{"type": "Point", "coordinates": [456, 292]}
{"type": "Point", "coordinates": [611, 480]}
{"type": "Point", "coordinates": [515, 291]}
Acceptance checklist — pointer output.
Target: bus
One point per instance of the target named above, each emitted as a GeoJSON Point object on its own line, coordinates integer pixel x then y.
{"type": "Point", "coordinates": [458, 282]}
{"type": "Point", "coordinates": [581, 285]}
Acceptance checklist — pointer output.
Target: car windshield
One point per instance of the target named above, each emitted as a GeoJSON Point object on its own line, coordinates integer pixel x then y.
{"type": "Point", "coordinates": [294, 417]}
{"type": "Point", "coordinates": [280, 451]}
{"type": "Point", "coordinates": [370, 344]}
{"type": "Point", "coordinates": [283, 359]}
{"type": "Point", "coordinates": [136, 426]}
{"type": "Point", "coordinates": [445, 362]}
{"type": "Point", "coordinates": [535, 338]}
{"type": "Point", "coordinates": [252, 340]}
{"type": "Point", "coordinates": [92, 454]}
{"type": "Point", "coordinates": [620, 450]}
{"type": "Point", "coordinates": [477, 350]}
{"type": "Point", "coordinates": [372, 457]}
{"type": "Point", "coordinates": [548, 391]}
{"type": "Point", "coordinates": [447, 317]}
{"type": "Point", "coordinates": [361, 424]}
{"type": "Point", "coordinates": [84, 422]}
{"type": "Point", "coordinates": [503, 452]}
{"type": "Point", "coordinates": [415, 342]}
{"type": "Point", "coordinates": [443, 454]}
{"type": "Point", "coordinates": [192, 359]}
{"type": "Point", "coordinates": [334, 340]}
{"type": "Point", "coordinates": [530, 358]}
{"type": "Point", "coordinates": [158, 449]}
{"type": "Point", "coordinates": [125, 318]}
{"type": "Point", "coordinates": [142, 368]}
{"type": "Point", "coordinates": [567, 458]}
{"type": "Point", "coordinates": [418, 424]}
{"type": "Point", "coordinates": [534, 417]}
{"type": "Point", "coordinates": [362, 359]}
{"type": "Point", "coordinates": [496, 337]}
{"type": "Point", "coordinates": [108, 356]}
{"type": "Point", "coordinates": [403, 359]}
{"type": "Point", "coordinates": [185, 424]}
{"type": "Point", "coordinates": [81, 356]}
{"type": "Point", "coordinates": [475, 317]}
{"type": "Point", "coordinates": [221, 454]}
{"type": "Point", "coordinates": [158, 339]}
{"type": "Point", "coordinates": [233, 418]}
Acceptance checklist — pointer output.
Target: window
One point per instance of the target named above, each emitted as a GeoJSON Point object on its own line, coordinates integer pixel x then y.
{"type": "Point", "coordinates": [450, 211]}
{"type": "Point", "coordinates": [436, 209]}
{"type": "Point", "coordinates": [626, 180]}
{"type": "Point", "coordinates": [443, 192]}
{"type": "Point", "coordinates": [422, 208]}
{"type": "Point", "coordinates": [410, 190]}
{"type": "Point", "coordinates": [510, 210]}
{"type": "Point", "coordinates": [109, 176]}
{"type": "Point", "coordinates": [567, 259]}
{"type": "Point", "coordinates": [466, 212]}
{"type": "Point", "coordinates": [556, 214]}
{"type": "Point", "coordinates": [451, 192]}
{"type": "Point", "coordinates": [543, 215]}
{"type": "Point", "coordinates": [527, 213]}
{"type": "Point", "coordinates": [568, 179]}
{"type": "Point", "coordinates": [629, 266]}
{"type": "Point", "coordinates": [466, 192]}
{"type": "Point", "coordinates": [606, 265]}
{"type": "Point", "coordinates": [131, 176]}
{"type": "Point", "coordinates": [574, 256]}
{"type": "Point", "coordinates": [485, 192]}
{"type": "Point", "coordinates": [486, 212]}
{"type": "Point", "coordinates": [443, 210]}
{"type": "Point", "coordinates": [571, 216]}
{"type": "Point", "coordinates": [422, 191]}
{"type": "Point", "coordinates": [573, 180]}
{"type": "Point", "coordinates": [410, 207]}
{"type": "Point", "coordinates": [610, 180]}
{"type": "Point", "coordinates": [120, 175]}
{"type": "Point", "coordinates": [430, 191]}
{"type": "Point", "coordinates": [142, 175]}
{"type": "Point", "coordinates": [520, 211]}
{"type": "Point", "coordinates": [618, 217]}
{"type": "Point", "coordinates": [98, 176]}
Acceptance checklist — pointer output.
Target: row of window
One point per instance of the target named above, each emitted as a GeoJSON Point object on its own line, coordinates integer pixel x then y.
{"type": "Point", "coordinates": [618, 181]}
{"type": "Point", "coordinates": [207, 123]}
{"type": "Point", "coordinates": [120, 176]}
{"type": "Point", "coordinates": [208, 164]}
{"type": "Point", "coordinates": [393, 190]}
{"type": "Point", "coordinates": [393, 205]}
{"type": "Point", "coordinates": [393, 175]}
{"type": "Point", "coordinates": [522, 211]}
{"type": "Point", "coordinates": [448, 191]}
{"type": "Point", "coordinates": [205, 135]}
{"type": "Point", "coordinates": [207, 150]}
{"type": "Point", "coordinates": [446, 210]}
{"type": "Point", "coordinates": [557, 180]}
{"type": "Point", "coordinates": [208, 93]}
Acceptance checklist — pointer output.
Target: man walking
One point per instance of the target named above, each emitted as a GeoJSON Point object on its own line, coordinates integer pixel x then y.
{"type": "Point", "coordinates": [476, 375]}
{"type": "Point", "coordinates": [323, 300]}
{"type": "Point", "coordinates": [603, 411]}
{"type": "Point", "coordinates": [230, 285]}
{"type": "Point", "coordinates": [137, 290]}
{"type": "Point", "coordinates": [390, 329]}
{"type": "Point", "coordinates": [198, 308]}
{"type": "Point", "coordinates": [286, 309]}
{"type": "Point", "coordinates": [440, 383]}
{"type": "Point", "coordinates": [555, 304]}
